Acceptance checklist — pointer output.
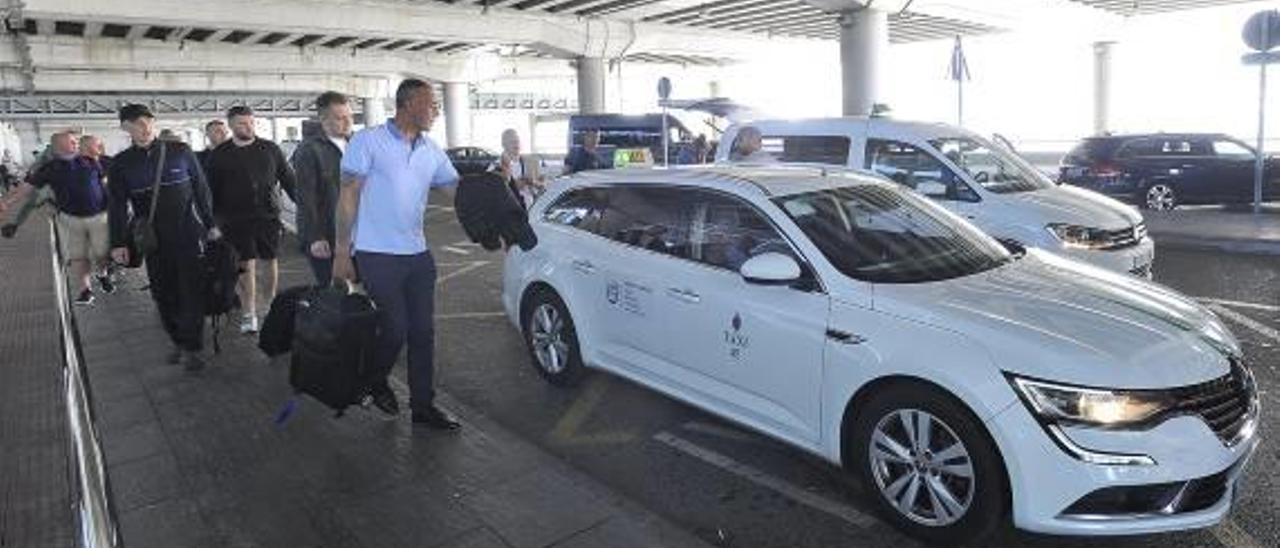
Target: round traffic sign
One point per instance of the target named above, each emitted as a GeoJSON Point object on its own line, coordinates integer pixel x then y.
{"type": "Point", "coordinates": [1262, 30]}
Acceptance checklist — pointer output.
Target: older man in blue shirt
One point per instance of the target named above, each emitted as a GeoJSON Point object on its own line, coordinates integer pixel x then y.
{"type": "Point", "coordinates": [388, 171]}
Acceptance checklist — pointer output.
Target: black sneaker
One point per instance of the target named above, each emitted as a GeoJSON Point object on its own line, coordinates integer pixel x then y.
{"type": "Point", "coordinates": [85, 298]}
{"type": "Point", "coordinates": [108, 286]}
{"type": "Point", "coordinates": [385, 400]}
{"type": "Point", "coordinates": [437, 418]}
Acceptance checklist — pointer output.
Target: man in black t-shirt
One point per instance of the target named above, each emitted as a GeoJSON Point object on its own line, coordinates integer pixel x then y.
{"type": "Point", "coordinates": [245, 175]}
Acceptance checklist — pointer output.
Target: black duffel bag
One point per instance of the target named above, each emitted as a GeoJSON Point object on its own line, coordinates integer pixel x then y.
{"type": "Point", "coordinates": [333, 345]}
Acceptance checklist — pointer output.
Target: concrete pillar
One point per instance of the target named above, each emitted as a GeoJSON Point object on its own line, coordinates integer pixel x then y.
{"type": "Point", "coordinates": [275, 129]}
{"type": "Point", "coordinates": [1102, 87]}
{"type": "Point", "coordinates": [457, 114]}
{"type": "Point", "coordinates": [30, 140]}
{"type": "Point", "coordinates": [864, 40]}
{"type": "Point", "coordinates": [375, 111]}
{"type": "Point", "coordinates": [591, 73]}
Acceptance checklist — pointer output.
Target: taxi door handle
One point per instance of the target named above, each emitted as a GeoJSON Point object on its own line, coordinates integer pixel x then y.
{"type": "Point", "coordinates": [584, 266]}
{"type": "Point", "coordinates": [845, 337]}
{"type": "Point", "coordinates": [685, 295]}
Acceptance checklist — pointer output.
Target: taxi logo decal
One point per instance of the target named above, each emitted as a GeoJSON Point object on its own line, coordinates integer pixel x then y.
{"type": "Point", "coordinates": [737, 341]}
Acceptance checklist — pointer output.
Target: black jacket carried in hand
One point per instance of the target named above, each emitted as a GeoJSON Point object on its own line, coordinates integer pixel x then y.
{"type": "Point", "coordinates": [490, 215]}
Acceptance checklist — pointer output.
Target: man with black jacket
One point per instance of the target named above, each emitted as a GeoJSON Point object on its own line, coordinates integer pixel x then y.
{"type": "Point", "coordinates": [317, 163]}
{"type": "Point", "coordinates": [182, 220]}
{"type": "Point", "coordinates": [245, 175]}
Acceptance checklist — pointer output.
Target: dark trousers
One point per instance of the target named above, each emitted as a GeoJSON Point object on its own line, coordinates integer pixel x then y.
{"type": "Point", "coordinates": [403, 288]}
{"type": "Point", "coordinates": [322, 269]}
{"type": "Point", "coordinates": [177, 286]}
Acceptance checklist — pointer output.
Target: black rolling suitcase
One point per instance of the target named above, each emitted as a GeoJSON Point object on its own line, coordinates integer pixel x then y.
{"type": "Point", "coordinates": [333, 343]}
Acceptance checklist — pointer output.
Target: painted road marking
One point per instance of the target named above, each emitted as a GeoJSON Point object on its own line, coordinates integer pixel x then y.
{"type": "Point", "coordinates": [1241, 304]}
{"type": "Point", "coordinates": [472, 266]}
{"type": "Point", "coordinates": [458, 250]}
{"type": "Point", "coordinates": [1259, 327]}
{"type": "Point", "coordinates": [1231, 535]}
{"type": "Point", "coordinates": [782, 487]}
{"type": "Point", "coordinates": [566, 429]}
{"type": "Point", "coordinates": [719, 431]}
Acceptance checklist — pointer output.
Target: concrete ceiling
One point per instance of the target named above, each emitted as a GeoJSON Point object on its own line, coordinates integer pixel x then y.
{"type": "Point", "coordinates": [1150, 7]}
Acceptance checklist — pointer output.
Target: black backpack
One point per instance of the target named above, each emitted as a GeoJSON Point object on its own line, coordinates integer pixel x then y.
{"type": "Point", "coordinates": [221, 266]}
{"type": "Point", "coordinates": [333, 346]}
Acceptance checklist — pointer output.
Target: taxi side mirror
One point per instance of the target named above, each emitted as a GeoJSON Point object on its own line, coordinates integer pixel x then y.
{"type": "Point", "coordinates": [770, 268]}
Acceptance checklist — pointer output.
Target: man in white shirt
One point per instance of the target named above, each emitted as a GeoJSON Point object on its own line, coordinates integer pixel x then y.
{"type": "Point", "coordinates": [388, 171]}
{"type": "Point", "coordinates": [523, 174]}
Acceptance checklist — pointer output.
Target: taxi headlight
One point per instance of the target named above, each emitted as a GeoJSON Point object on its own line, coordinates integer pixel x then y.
{"type": "Point", "coordinates": [1079, 236]}
{"type": "Point", "coordinates": [1091, 406]}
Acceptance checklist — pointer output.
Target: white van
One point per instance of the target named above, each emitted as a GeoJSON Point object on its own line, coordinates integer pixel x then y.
{"type": "Point", "coordinates": [971, 176]}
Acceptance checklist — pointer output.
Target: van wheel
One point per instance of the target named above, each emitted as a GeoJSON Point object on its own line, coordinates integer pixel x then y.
{"type": "Point", "coordinates": [929, 465]}
{"type": "Point", "coordinates": [1161, 197]}
{"type": "Point", "coordinates": [552, 341]}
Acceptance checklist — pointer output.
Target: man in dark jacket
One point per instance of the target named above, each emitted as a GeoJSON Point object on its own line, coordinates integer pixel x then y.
{"type": "Point", "coordinates": [245, 176]}
{"type": "Point", "coordinates": [587, 157]}
{"type": "Point", "coordinates": [215, 133]}
{"type": "Point", "coordinates": [81, 200]}
{"type": "Point", "coordinates": [317, 163]}
{"type": "Point", "coordinates": [183, 220]}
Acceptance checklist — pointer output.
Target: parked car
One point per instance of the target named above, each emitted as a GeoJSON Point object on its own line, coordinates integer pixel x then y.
{"type": "Point", "coordinates": [974, 178]}
{"type": "Point", "coordinates": [856, 320]}
{"type": "Point", "coordinates": [1164, 170]}
{"type": "Point", "coordinates": [471, 159]}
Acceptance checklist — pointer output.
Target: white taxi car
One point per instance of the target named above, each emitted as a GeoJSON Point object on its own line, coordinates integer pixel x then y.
{"type": "Point", "coordinates": [974, 178]}
{"type": "Point", "coordinates": [861, 322]}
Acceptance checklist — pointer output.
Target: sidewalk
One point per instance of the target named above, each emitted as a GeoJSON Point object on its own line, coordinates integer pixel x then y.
{"type": "Point", "coordinates": [196, 460]}
{"type": "Point", "coordinates": [1231, 230]}
{"type": "Point", "coordinates": [36, 488]}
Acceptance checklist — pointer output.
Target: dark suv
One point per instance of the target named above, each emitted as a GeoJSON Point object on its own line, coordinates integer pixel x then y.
{"type": "Point", "coordinates": [1164, 170]}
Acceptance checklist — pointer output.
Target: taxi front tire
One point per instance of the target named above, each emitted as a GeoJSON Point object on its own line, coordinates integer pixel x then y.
{"type": "Point", "coordinates": [957, 456]}
{"type": "Point", "coordinates": [551, 338]}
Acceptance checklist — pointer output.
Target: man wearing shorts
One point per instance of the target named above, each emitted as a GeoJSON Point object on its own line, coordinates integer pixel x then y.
{"type": "Point", "coordinates": [245, 177]}
{"type": "Point", "coordinates": [81, 200]}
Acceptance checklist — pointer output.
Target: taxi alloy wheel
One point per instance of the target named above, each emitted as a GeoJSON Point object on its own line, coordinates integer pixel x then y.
{"type": "Point", "coordinates": [929, 465]}
{"type": "Point", "coordinates": [551, 339]}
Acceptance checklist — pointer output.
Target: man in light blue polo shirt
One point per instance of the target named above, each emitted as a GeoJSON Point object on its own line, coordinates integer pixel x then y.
{"type": "Point", "coordinates": [387, 173]}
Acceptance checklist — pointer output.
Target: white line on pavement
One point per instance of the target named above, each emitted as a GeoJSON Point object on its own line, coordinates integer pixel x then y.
{"type": "Point", "coordinates": [441, 280]}
{"type": "Point", "coordinates": [457, 250]}
{"type": "Point", "coordinates": [1241, 304]}
{"type": "Point", "coordinates": [1261, 328]}
{"type": "Point", "coordinates": [718, 431]}
{"type": "Point", "coordinates": [812, 500]}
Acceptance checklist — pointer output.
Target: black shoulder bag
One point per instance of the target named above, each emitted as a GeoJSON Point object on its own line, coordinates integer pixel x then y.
{"type": "Point", "coordinates": [142, 229]}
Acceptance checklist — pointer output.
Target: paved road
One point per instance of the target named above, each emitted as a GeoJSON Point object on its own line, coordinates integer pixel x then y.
{"type": "Point", "coordinates": [736, 488]}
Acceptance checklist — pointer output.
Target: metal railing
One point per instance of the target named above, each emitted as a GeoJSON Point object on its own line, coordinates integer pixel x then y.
{"type": "Point", "coordinates": [95, 511]}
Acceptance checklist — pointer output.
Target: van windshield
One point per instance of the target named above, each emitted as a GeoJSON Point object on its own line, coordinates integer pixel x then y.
{"type": "Point", "coordinates": [993, 167]}
{"type": "Point", "coordinates": [880, 234]}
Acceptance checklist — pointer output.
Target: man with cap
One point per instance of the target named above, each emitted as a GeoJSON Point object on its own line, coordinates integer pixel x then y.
{"type": "Point", "coordinates": [183, 222]}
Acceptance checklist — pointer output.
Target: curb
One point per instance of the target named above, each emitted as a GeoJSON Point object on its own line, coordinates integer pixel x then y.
{"type": "Point", "coordinates": [1246, 247]}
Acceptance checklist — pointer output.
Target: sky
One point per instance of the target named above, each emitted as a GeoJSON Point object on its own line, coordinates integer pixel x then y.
{"type": "Point", "coordinates": [1176, 72]}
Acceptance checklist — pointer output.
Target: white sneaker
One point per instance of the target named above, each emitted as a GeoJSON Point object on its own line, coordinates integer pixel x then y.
{"type": "Point", "coordinates": [248, 325]}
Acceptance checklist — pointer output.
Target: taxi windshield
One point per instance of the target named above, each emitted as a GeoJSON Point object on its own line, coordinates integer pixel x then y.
{"type": "Point", "coordinates": [993, 167]}
{"type": "Point", "coordinates": [880, 234]}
